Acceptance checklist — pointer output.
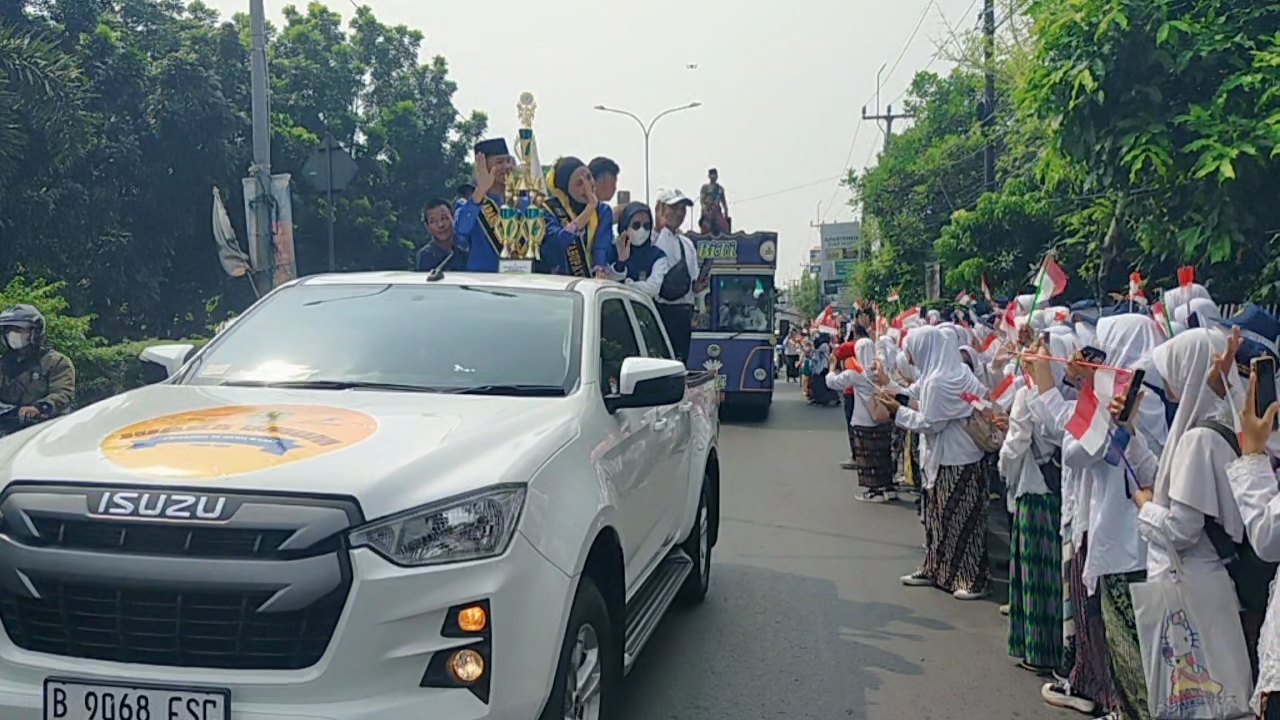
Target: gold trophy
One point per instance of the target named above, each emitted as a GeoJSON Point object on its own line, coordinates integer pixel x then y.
{"type": "Point", "coordinates": [524, 221]}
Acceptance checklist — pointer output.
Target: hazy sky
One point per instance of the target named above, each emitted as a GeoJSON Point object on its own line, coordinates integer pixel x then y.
{"type": "Point", "coordinates": [782, 91]}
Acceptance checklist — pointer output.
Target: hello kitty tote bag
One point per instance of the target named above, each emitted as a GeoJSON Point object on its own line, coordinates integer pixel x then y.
{"type": "Point", "coordinates": [1193, 650]}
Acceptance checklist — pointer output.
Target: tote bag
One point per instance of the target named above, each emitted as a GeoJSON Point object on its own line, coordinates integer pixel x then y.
{"type": "Point", "coordinates": [1193, 650]}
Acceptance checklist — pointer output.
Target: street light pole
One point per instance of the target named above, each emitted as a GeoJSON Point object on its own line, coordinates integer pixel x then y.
{"type": "Point", "coordinates": [647, 130]}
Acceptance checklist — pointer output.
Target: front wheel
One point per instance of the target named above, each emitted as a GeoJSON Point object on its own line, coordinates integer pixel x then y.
{"type": "Point", "coordinates": [698, 548]}
{"type": "Point", "coordinates": [589, 672]}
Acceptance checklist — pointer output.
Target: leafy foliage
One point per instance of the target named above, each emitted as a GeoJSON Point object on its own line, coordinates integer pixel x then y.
{"type": "Point", "coordinates": [117, 117]}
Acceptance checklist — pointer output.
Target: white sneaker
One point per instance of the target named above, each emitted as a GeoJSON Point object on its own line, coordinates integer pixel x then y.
{"type": "Point", "coordinates": [917, 579]}
{"type": "Point", "coordinates": [968, 595]}
{"type": "Point", "coordinates": [871, 496]}
{"type": "Point", "coordinates": [1058, 694]}
{"type": "Point", "coordinates": [1004, 609]}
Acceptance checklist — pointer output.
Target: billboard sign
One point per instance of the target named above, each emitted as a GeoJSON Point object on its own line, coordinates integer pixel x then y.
{"type": "Point", "coordinates": [840, 235]}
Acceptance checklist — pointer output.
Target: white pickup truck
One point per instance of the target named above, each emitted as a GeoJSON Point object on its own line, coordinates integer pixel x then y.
{"type": "Point", "coordinates": [376, 496]}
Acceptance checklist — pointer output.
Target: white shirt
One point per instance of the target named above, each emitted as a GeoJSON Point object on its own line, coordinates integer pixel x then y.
{"type": "Point", "coordinates": [863, 391]}
{"type": "Point", "coordinates": [1258, 495]}
{"type": "Point", "coordinates": [669, 243]}
{"type": "Point", "coordinates": [945, 443]}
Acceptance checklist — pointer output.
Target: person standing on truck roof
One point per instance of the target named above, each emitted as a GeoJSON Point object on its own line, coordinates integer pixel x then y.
{"type": "Point", "coordinates": [579, 220]}
{"type": "Point", "coordinates": [477, 219]}
{"type": "Point", "coordinates": [37, 379]}
{"type": "Point", "coordinates": [443, 248]}
{"type": "Point", "coordinates": [715, 207]}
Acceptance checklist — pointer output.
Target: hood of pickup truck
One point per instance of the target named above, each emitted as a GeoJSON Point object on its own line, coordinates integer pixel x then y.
{"type": "Point", "coordinates": [389, 450]}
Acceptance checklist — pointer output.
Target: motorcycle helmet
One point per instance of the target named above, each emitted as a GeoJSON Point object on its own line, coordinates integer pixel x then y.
{"type": "Point", "coordinates": [24, 317]}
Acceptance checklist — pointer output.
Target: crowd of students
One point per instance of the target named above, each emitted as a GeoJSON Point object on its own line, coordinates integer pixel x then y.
{"type": "Point", "coordinates": [1144, 524]}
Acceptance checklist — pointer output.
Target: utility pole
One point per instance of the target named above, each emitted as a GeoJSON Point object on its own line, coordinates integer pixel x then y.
{"type": "Point", "coordinates": [988, 108]}
{"type": "Point", "coordinates": [261, 169]}
{"type": "Point", "coordinates": [888, 117]}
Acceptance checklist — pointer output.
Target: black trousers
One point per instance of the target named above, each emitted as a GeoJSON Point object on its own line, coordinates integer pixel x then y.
{"type": "Point", "coordinates": [848, 424]}
{"type": "Point", "coordinates": [678, 319]}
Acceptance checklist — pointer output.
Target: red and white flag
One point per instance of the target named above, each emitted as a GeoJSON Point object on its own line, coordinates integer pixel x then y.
{"type": "Point", "coordinates": [1090, 425]}
{"type": "Point", "coordinates": [827, 322]}
{"type": "Point", "coordinates": [963, 298]}
{"type": "Point", "coordinates": [1003, 393]}
{"type": "Point", "coordinates": [974, 401]}
{"type": "Point", "coordinates": [906, 316]}
{"type": "Point", "coordinates": [1135, 289]}
{"type": "Point", "coordinates": [1161, 317]}
{"type": "Point", "coordinates": [986, 289]}
{"type": "Point", "coordinates": [1009, 321]}
{"type": "Point", "coordinates": [1050, 281]}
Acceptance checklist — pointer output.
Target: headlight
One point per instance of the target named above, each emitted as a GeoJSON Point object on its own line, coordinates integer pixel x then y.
{"type": "Point", "coordinates": [469, 527]}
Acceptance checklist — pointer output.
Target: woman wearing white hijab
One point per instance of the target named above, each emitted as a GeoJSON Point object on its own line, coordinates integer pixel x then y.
{"type": "Point", "coordinates": [956, 504]}
{"type": "Point", "coordinates": [1031, 463]}
{"type": "Point", "coordinates": [1191, 489]}
{"type": "Point", "coordinates": [1105, 526]}
{"type": "Point", "coordinates": [872, 442]}
{"type": "Point", "coordinates": [908, 447]}
{"type": "Point", "coordinates": [1258, 496]}
{"type": "Point", "coordinates": [1198, 313]}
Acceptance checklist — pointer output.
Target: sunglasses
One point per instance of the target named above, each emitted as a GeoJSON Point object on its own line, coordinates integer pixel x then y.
{"type": "Point", "coordinates": [637, 225]}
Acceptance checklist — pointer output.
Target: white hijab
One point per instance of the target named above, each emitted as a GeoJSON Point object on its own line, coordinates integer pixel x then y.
{"type": "Point", "coordinates": [1061, 345]}
{"type": "Point", "coordinates": [1129, 341]}
{"type": "Point", "coordinates": [944, 377]}
{"type": "Point", "coordinates": [1175, 298]}
{"type": "Point", "coordinates": [887, 350]}
{"type": "Point", "coordinates": [1204, 309]}
{"type": "Point", "coordinates": [1186, 364]}
{"type": "Point", "coordinates": [904, 367]}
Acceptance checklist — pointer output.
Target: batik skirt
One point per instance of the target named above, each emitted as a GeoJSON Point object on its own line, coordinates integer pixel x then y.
{"type": "Point", "coordinates": [955, 529]}
{"type": "Point", "coordinates": [1123, 651]}
{"type": "Point", "coordinates": [1035, 581]}
{"type": "Point", "coordinates": [874, 455]}
{"type": "Point", "coordinates": [1090, 675]}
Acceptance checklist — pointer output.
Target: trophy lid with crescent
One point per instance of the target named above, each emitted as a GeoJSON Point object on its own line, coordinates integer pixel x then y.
{"type": "Point", "coordinates": [526, 107]}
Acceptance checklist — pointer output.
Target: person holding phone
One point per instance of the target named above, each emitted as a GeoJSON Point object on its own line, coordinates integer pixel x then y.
{"type": "Point", "coordinates": [1257, 495]}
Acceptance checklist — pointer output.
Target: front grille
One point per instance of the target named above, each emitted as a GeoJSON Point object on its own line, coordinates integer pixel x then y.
{"type": "Point", "coordinates": [155, 539]}
{"type": "Point", "coordinates": [158, 627]}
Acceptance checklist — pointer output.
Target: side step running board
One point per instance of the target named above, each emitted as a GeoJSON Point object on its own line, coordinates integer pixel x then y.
{"type": "Point", "coordinates": [649, 605]}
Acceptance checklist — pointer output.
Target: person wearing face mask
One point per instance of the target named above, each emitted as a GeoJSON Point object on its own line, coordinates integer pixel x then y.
{"type": "Point", "coordinates": [578, 220]}
{"type": "Point", "coordinates": [38, 380]}
{"type": "Point", "coordinates": [633, 258]}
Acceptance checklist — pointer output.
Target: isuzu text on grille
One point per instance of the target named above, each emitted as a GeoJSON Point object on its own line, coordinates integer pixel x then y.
{"type": "Point", "coordinates": [155, 504]}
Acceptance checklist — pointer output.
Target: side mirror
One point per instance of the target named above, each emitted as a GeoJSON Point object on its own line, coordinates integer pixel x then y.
{"type": "Point", "coordinates": [168, 359]}
{"type": "Point", "coordinates": [648, 382]}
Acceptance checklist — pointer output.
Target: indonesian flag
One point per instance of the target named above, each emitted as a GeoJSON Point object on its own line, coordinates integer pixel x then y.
{"type": "Point", "coordinates": [1051, 281]}
{"type": "Point", "coordinates": [974, 401]}
{"type": "Point", "coordinates": [964, 298]}
{"type": "Point", "coordinates": [893, 296]}
{"type": "Point", "coordinates": [988, 342]}
{"type": "Point", "coordinates": [827, 321]}
{"type": "Point", "coordinates": [1161, 317]}
{"type": "Point", "coordinates": [1090, 425]}
{"type": "Point", "coordinates": [986, 289]}
{"type": "Point", "coordinates": [1135, 289]}
{"type": "Point", "coordinates": [1003, 393]}
{"type": "Point", "coordinates": [905, 316]}
{"type": "Point", "coordinates": [1009, 321]}
{"type": "Point", "coordinates": [1186, 276]}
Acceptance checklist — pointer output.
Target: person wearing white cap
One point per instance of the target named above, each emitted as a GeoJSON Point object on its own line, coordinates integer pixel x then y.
{"type": "Point", "coordinates": [674, 292]}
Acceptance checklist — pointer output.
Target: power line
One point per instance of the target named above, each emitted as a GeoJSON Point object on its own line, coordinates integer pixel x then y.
{"type": "Point", "coordinates": [784, 191]}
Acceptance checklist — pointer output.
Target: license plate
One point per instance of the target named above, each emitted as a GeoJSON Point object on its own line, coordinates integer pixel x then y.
{"type": "Point", "coordinates": [99, 700]}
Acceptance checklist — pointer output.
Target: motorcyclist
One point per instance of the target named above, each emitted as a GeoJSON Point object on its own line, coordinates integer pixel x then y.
{"type": "Point", "coordinates": [37, 379]}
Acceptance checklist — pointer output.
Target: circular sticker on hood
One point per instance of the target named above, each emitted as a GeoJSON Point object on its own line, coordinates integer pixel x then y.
{"type": "Point", "coordinates": [236, 439]}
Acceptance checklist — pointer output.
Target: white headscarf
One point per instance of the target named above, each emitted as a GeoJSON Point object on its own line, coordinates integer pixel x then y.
{"type": "Point", "coordinates": [887, 350]}
{"type": "Point", "coordinates": [1129, 341]}
{"type": "Point", "coordinates": [979, 363]}
{"type": "Point", "coordinates": [944, 377]}
{"type": "Point", "coordinates": [905, 369]}
{"type": "Point", "coordinates": [864, 350]}
{"type": "Point", "coordinates": [1186, 364]}
{"type": "Point", "coordinates": [1175, 298]}
{"type": "Point", "coordinates": [1204, 309]}
{"type": "Point", "coordinates": [1061, 345]}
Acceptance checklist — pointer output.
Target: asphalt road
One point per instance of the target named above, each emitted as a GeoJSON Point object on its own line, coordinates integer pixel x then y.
{"type": "Point", "coordinates": [806, 617]}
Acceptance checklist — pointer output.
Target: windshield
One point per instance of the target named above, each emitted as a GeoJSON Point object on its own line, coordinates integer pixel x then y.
{"type": "Point", "coordinates": [436, 337]}
{"type": "Point", "coordinates": [742, 303]}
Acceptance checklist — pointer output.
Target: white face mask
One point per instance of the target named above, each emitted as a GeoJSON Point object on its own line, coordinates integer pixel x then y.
{"type": "Point", "coordinates": [640, 237]}
{"type": "Point", "coordinates": [16, 340]}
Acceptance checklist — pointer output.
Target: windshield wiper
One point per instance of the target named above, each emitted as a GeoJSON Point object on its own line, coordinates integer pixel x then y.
{"type": "Point", "coordinates": [512, 390]}
{"type": "Point", "coordinates": [329, 385]}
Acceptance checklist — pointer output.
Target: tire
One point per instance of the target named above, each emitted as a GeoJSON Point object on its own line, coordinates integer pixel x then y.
{"type": "Point", "coordinates": [588, 621]}
{"type": "Point", "coordinates": [698, 548]}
